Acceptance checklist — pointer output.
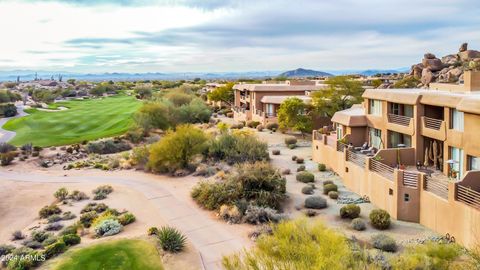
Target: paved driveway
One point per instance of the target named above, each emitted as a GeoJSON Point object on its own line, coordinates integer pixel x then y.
{"type": "Point", "coordinates": [6, 135]}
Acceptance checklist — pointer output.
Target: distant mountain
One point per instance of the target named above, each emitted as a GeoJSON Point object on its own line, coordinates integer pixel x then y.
{"type": "Point", "coordinates": [368, 72]}
{"type": "Point", "coordinates": [301, 72]}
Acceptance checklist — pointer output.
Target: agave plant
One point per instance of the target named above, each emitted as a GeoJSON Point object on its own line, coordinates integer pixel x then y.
{"type": "Point", "coordinates": [171, 239]}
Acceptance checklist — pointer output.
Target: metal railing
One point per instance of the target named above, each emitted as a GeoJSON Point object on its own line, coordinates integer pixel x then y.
{"type": "Point", "coordinates": [468, 196]}
{"type": "Point", "coordinates": [410, 179]}
{"type": "Point", "coordinates": [356, 158]}
{"type": "Point", "coordinates": [399, 119]}
{"type": "Point", "coordinates": [341, 146]}
{"type": "Point", "coordinates": [436, 186]}
{"type": "Point", "coordinates": [432, 123]}
{"type": "Point", "coordinates": [381, 169]}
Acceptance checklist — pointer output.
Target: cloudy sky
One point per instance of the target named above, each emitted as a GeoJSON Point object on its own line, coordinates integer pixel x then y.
{"type": "Point", "coordinates": [230, 35]}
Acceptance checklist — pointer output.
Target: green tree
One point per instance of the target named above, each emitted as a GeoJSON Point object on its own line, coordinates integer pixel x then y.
{"type": "Point", "coordinates": [297, 244]}
{"type": "Point", "coordinates": [177, 149]}
{"type": "Point", "coordinates": [153, 115]}
{"type": "Point", "coordinates": [223, 93]}
{"type": "Point", "coordinates": [143, 91]}
{"type": "Point", "coordinates": [292, 114]}
{"type": "Point", "coordinates": [342, 92]}
{"type": "Point", "coordinates": [407, 82]}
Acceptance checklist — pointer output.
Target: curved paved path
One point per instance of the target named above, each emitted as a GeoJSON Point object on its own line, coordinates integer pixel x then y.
{"type": "Point", "coordinates": [7, 135]}
{"type": "Point", "coordinates": [212, 238]}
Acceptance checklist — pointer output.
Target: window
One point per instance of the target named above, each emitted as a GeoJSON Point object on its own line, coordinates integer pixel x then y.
{"type": "Point", "coordinates": [396, 138]}
{"type": "Point", "coordinates": [375, 107]}
{"type": "Point", "coordinates": [456, 154]}
{"type": "Point", "coordinates": [375, 137]}
{"type": "Point", "coordinates": [339, 132]}
{"type": "Point", "coordinates": [473, 163]}
{"type": "Point", "coordinates": [401, 109]}
{"type": "Point", "coordinates": [456, 120]}
{"type": "Point", "coordinates": [270, 109]}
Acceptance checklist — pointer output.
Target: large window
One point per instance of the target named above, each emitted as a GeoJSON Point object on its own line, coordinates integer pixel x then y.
{"type": "Point", "coordinates": [339, 132]}
{"type": "Point", "coordinates": [401, 109]}
{"type": "Point", "coordinates": [473, 163]}
{"type": "Point", "coordinates": [375, 107]}
{"type": "Point", "coordinates": [270, 109]}
{"type": "Point", "coordinates": [456, 120]}
{"type": "Point", "coordinates": [456, 154]}
{"type": "Point", "coordinates": [397, 139]}
{"type": "Point", "coordinates": [375, 138]}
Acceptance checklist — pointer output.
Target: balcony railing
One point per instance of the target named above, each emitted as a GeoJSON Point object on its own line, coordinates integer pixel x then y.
{"type": "Point", "coordinates": [356, 158]}
{"type": "Point", "coordinates": [436, 186]}
{"type": "Point", "coordinates": [399, 119]}
{"type": "Point", "coordinates": [410, 179]}
{"type": "Point", "coordinates": [382, 169]}
{"type": "Point", "coordinates": [432, 123]}
{"type": "Point", "coordinates": [341, 146]}
{"type": "Point", "coordinates": [468, 196]}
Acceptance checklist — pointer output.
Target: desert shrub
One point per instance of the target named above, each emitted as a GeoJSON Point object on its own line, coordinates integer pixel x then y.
{"type": "Point", "coordinates": [253, 124]}
{"type": "Point", "coordinates": [107, 189]}
{"type": "Point", "coordinates": [299, 160]}
{"type": "Point", "coordinates": [68, 215]}
{"type": "Point", "coordinates": [271, 126]}
{"type": "Point", "coordinates": [139, 156]}
{"type": "Point", "coordinates": [333, 195]}
{"type": "Point", "coordinates": [107, 147]}
{"type": "Point", "coordinates": [290, 140]}
{"type": "Point", "coordinates": [329, 187]}
{"type": "Point", "coordinates": [432, 255]}
{"type": "Point", "coordinates": [298, 244]}
{"type": "Point", "coordinates": [380, 219]}
{"type": "Point", "coordinates": [22, 262]}
{"type": "Point", "coordinates": [72, 229]}
{"type": "Point", "coordinates": [152, 231]}
{"type": "Point", "coordinates": [315, 202]}
{"type": "Point", "coordinates": [326, 182]}
{"type": "Point", "coordinates": [258, 183]}
{"type": "Point", "coordinates": [55, 249]}
{"type": "Point", "coordinates": [6, 249]}
{"type": "Point", "coordinates": [294, 158]}
{"type": "Point", "coordinates": [108, 227]}
{"type": "Point", "coordinates": [305, 177]}
{"type": "Point", "coordinates": [177, 149]}
{"type": "Point", "coordinates": [276, 152]}
{"type": "Point", "coordinates": [260, 128]}
{"type": "Point", "coordinates": [259, 214]}
{"type": "Point", "coordinates": [40, 236]}
{"type": "Point", "coordinates": [6, 148]}
{"type": "Point", "coordinates": [292, 146]}
{"type": "Point", "coordinates": [71, 239]}
{"type": "Point", "coordinates": [237, 126]}
{"type": "Point", "coordinates": [322, 167]}
{"type": "Point", "coordinates": [358, 224]}
{"type": "Point", "coordinates": [171, 239]}
{"type": "Point", "coordinates": [350, 211]}
{"type": "Point", "coordinates": [50, 240]}
{"type": "Point", "coordinates": [301, 168]}
{"type": "Point", "coordinates": [307, 190]}
{"type": "Point", "coordinates": [99, 196]}
{"type": "Point", "coordinates": [49, 210]}
{"type": "Point", "coordinates": [126, 218]}
{"type": "Point", "coordinates": [17, 235]}
{"type": "Point", "coordinates": [238, 148]}
{"type": "Point", "coordinates": [230, 213]}
{"type": "Point", "coordinates": [286, 171]}
{"type": "Point", "coordinates": [61, 194]}
{"type": "Point", "coordinates": [384, 243]}
{"type": "Point", "coordinates": [310, 213]}
{"type": "Point", "coordinates": [229, 114]}
{"type": "Point", "coordinates": [77, 196]}
{"type": "Point", "coordinates": [7, 158]}
{"type": "Point", "coordinates": [53, 226]}
{"type": "Point", "coordinates": [32, 244]}
{"type": "Point", "coordinates": [86, 219]}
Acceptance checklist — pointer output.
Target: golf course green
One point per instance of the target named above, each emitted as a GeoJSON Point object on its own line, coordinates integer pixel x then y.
{"type": "Point", "coordinates": [88, 119]}
{"type": "Point", "coordinates": [112, 255]}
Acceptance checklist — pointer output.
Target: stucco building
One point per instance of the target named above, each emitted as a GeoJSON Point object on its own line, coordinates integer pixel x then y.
{"type": "Point", "coordinates": [414, 153]}
{"type": "Point", "coordinates": [260, 102]}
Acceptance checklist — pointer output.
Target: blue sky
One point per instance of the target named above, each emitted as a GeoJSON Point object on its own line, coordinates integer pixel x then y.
{"type": "Point", "coordinates": [230, 35]}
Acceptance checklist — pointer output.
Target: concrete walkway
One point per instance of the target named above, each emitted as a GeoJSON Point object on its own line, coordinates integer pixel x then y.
{"type": "Point", "coordinates": [6, 135]}
{"type": "Point", "coordinates": [212, 238]}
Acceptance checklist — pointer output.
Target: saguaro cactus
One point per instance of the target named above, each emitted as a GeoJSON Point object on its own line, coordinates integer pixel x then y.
{"type": "Point", "coordinates": [435, 153]}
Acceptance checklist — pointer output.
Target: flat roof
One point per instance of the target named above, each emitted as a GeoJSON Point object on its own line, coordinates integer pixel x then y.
{"type": "Point", "coordinates": [276, 87]}
{"type": "Point", "coordinates": [353, 117]}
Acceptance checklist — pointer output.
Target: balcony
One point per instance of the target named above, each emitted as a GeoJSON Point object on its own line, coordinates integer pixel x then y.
{"type": "Point", "coordinates": [434, 128]}
{"type": "Point", "coordinates": [400, 123]}
{"type": "Point", "coordinates": [468, 190]}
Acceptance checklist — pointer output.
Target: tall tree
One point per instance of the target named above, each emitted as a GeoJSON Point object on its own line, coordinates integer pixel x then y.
{"type": "Point", "coordinates": [223, 93]}
{"type": "Point", "coordinates": [342, 92]}
{"type": "Point", "coordinates": [292, 114]}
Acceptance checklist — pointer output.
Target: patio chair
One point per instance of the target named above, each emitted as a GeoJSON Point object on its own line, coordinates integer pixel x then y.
{"type": "Point", "coordinates": [363, 147]}
{"type": "Point", "coordinates": [370, 150]}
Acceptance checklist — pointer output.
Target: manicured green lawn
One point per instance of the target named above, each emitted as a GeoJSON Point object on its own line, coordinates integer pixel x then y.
{"type": "Point", "coordinates": [113, 255]}
{"type": "Point", "coordinates": [84, 120]}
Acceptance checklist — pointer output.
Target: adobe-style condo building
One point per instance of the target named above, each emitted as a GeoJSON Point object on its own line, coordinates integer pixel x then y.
{"type": "Point", "coordinates": [260, 102]}
{"type": "Point", "coordinates": [414, 153]}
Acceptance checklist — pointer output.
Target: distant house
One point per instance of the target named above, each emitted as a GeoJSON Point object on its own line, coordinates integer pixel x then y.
{"type": "Point", "coordinates": [260, 102]}
{"type": "Point", "coordinates": [48, 83]}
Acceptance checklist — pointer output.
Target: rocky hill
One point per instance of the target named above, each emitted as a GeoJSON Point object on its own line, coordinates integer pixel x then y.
{"type": "Point", "coordinates": [301, 72]}
{"type": "Point", "coordinates": [448, 69]}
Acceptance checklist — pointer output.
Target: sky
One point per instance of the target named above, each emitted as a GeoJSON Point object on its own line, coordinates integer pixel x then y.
{"type": "Point", "coordinates": [230, 35]}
